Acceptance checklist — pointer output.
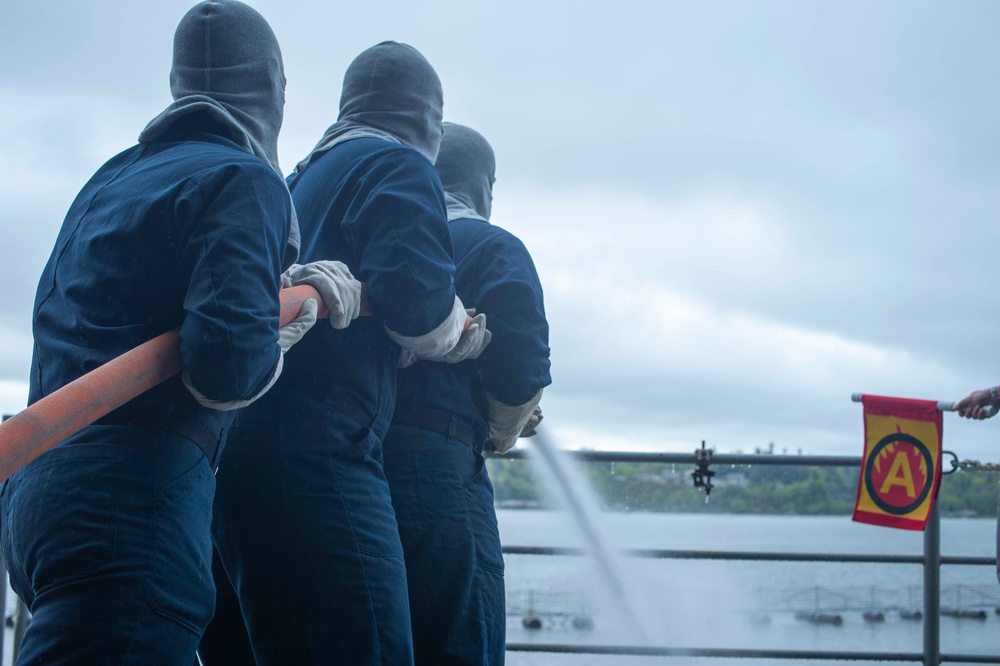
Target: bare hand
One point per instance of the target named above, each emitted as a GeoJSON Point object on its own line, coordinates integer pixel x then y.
{"type": "Point", "coordinates": [973, 406]}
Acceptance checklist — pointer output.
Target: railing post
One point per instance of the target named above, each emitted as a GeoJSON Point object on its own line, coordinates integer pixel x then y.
{"type": "Point", "coordinates": [932, 588]}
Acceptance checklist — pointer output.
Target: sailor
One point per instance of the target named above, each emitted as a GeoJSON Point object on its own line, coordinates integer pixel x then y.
{"type": "Point", "coordinates": [304, 522]}
{"type": "Point", "coordinates": [107, 536]}
{"type": "Point", "coordinates": [447, 415]}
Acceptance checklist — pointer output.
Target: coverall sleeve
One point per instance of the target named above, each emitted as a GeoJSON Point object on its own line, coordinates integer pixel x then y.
{"type": "Point", "coordinates": [515, 365]}
{"type": "Point", "coordinates": [239, 218]}
{"type": "Point", "coordinates": [399, 226]}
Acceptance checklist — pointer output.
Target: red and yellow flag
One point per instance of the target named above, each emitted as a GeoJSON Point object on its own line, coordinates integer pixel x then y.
{"type": "Point", "coordinates": [901, 467]}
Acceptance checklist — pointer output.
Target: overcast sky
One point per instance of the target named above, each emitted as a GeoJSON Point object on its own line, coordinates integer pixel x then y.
{"type": "Point", "coordinates": [741, 212]}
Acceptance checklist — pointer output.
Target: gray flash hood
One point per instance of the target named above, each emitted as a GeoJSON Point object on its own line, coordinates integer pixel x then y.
{"type": "Point", "coordinates": [227, 64]}
{"type": "Point", "coordinates": [390, 92]}
{"type": "Point", "coordinates": [467, 168]}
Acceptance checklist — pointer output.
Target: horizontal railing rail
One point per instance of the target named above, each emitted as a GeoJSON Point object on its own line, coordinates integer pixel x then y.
{"type": "Point", "coordinates": [761, 556]}
{"type": "Point", "coordinates": [762, 459]}
{"type": "Point", "coordinates": [735, 653]}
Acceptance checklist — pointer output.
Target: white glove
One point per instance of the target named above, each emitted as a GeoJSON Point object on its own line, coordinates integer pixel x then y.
{"type": "Point", "coordinates": [293, 331]}
{"type": "Point", "coordinates": [507, 421]}
{"type": "Point", "coordinates": [472, 343]}
{"type": "Point", "coordinates": [341, 293]}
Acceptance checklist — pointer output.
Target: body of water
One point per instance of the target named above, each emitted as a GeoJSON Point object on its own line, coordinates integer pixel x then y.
{"type": "Point", "coordinates": [736, 604]}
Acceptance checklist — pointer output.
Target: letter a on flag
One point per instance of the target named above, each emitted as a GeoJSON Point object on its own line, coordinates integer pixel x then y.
{"type": "Point", "coordinates": [901, 467]}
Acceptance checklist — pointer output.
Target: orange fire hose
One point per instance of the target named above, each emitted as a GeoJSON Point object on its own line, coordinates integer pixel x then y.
{"type": "Point", "coordinates": [65, 412]}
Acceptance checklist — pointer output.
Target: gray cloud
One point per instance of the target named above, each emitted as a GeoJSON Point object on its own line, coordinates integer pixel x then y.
{"type": "Point", "coordinates": [806, 190]}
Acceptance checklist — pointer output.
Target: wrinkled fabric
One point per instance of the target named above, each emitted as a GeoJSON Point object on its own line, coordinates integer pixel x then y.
{"type": "Point", "coordinates": [443, 500]}
{"type": "Point", "coordinates": [438, 342]}
{"type": "Point", "coordinates": [378, 208]}
{"type": "Point", "coordinates": [106, 538]}
{"type": "Point", "coordinates": [227, 64]}
{"type": "Point", "coordinates": [304, 524]}
{"type": "Point", "coordinates": [392, 93]}
{"type": "Point", "coordinates": [180, 231]}
{"type": "Point", "coordinates": [496, 275]}
{"type": "Point", "coordinates": [229, 405]}
{"type": "Point", "coordinates": [467, 167]}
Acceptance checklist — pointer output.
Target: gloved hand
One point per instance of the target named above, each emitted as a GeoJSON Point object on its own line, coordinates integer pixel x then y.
{"type": "Point", "coordinates": [508, 421]}
{"type": "Point", "coordinates": [529, 428]}
{"type": "Point", "coordinates": [293, 331]}
{"type": "Point", "coordinates": [473, 341]}
{"type": "Point", "coordinates": [341, 293]}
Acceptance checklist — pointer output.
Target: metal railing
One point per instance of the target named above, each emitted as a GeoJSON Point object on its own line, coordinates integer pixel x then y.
{"type": "Point", "coordinates": [931, 559]}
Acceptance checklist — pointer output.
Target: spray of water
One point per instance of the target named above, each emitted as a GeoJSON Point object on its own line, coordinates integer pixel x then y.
{"type": "Point", "coordinates": [569, 487]}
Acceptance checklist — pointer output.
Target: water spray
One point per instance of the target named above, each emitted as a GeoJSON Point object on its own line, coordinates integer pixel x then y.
{"type": "Point", "coordinates": [579, 500]}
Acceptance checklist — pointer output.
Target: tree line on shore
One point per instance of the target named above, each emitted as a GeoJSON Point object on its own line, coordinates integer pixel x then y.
{"type": "Point", "coordinates": [760, 489]}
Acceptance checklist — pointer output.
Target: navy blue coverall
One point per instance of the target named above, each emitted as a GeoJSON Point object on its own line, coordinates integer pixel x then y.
{"type": "Point", "coordinates": [107, 536]}
{"type": "Point", "coordinates": [441, 492]}
{"type": "Point", "coordinates": [304, 521]}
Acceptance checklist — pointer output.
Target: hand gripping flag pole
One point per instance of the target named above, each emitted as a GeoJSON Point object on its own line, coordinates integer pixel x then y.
{"type": "Point", "coordinates": [901, 466]}
{"type": "Point", "coordinates": [64, 412]}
